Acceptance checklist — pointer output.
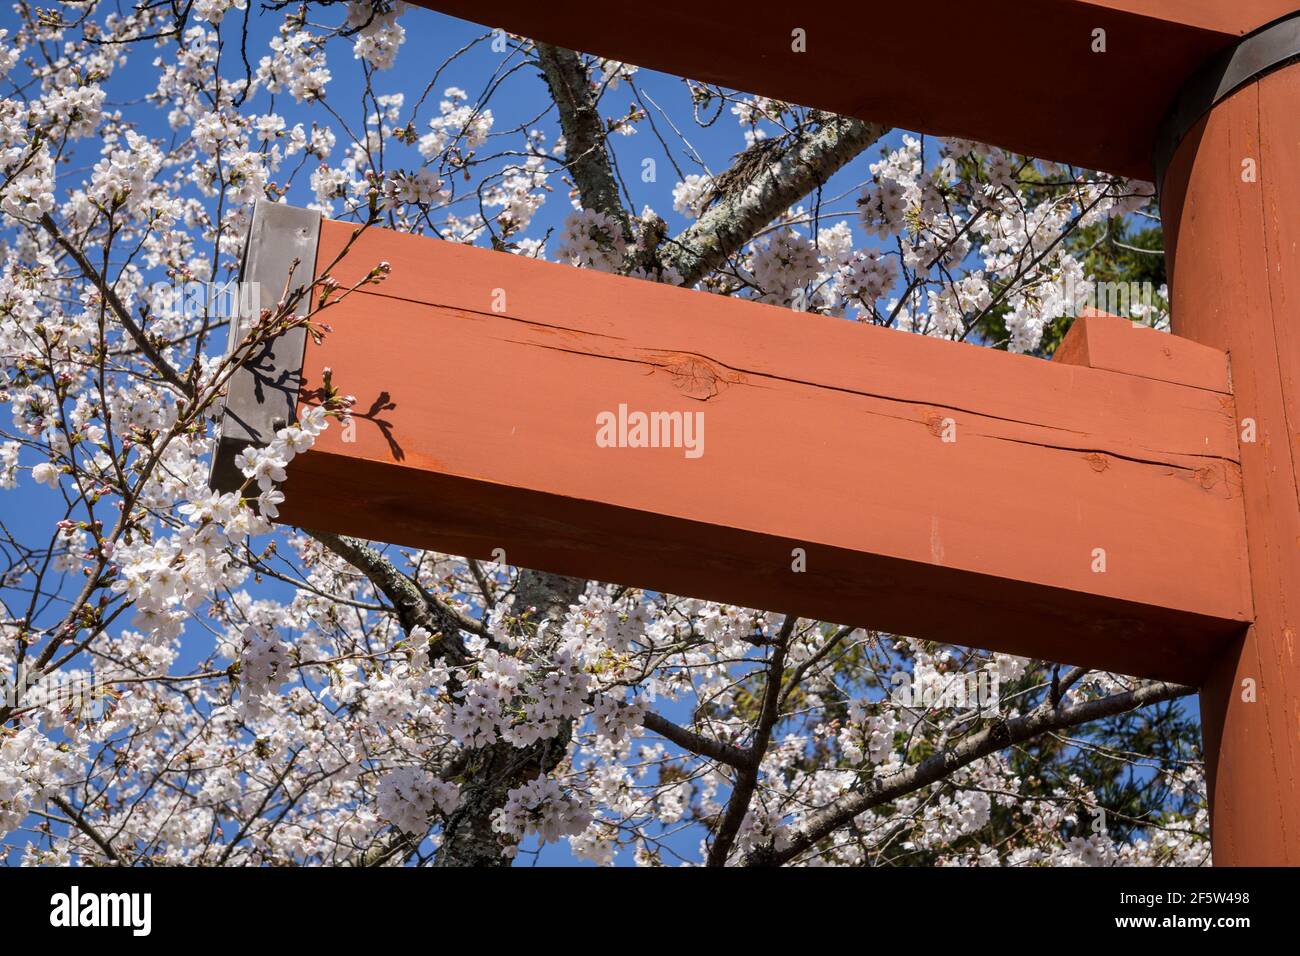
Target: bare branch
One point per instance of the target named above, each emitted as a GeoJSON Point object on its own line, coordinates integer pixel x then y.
{"type": "Point", "coordinates": [696, 743]}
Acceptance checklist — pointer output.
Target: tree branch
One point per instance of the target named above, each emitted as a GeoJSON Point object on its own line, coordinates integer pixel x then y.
{"type": "Point", "coordinates": [415, 607]}
{"type": "Point", "coordinates": [696, 743]}
{"type": "Point", "coordinates": [798, 674]}
{"type": "Point", "coordinates": [761, 185]}
{"type": "Point", "coordinates": [999, 734]}
{"type": "Point", "coordinates": [88, 828]}
{"type": "Point", "coordinates": [493, 771]}
{"type": "Point", "coordinates": [138, 334]}
{"type": "Point", "coordinates": [742, 791]}
{"type": "Point", "coordinates": [584, 133]}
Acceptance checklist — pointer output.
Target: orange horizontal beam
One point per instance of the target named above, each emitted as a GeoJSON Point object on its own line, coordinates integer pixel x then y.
{"type": "Point", "coordinates": [1041, 88]}
{"type": "Point", "coordinates": [478, 429]}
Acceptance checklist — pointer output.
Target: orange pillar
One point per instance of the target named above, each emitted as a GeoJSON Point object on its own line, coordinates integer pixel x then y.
{"type": "Point", "coordinates": [1231, 206]}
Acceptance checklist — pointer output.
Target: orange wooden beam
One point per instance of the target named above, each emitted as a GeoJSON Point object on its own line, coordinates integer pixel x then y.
{"type": "Point", "coordinates": [487, 373]}
{"type": "Point", "coordinates": [1022, 74]}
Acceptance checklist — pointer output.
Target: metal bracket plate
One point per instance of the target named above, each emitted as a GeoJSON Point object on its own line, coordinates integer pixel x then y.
{"type": "Point", "coordinates": [262, 396]}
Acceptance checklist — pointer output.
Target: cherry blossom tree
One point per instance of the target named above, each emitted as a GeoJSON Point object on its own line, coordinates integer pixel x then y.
{"type": "Point", "coordinates": [186, 682]}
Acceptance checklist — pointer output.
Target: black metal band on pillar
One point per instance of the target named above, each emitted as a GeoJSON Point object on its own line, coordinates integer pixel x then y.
{"type": "Point", "coordinates": [1255, 54]}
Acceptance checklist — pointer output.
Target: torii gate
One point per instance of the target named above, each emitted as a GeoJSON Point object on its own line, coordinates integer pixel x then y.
{"type": "Point", "coordinates": [1131, 445]}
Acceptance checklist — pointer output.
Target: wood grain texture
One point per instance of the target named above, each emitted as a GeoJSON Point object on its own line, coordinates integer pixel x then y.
{"type": "Point", "coordinates": [1057, 98]}
{"type": "Point", "coordinates": [477, 431]}
{"type": "Point", "coordinates": [1234, 251]}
